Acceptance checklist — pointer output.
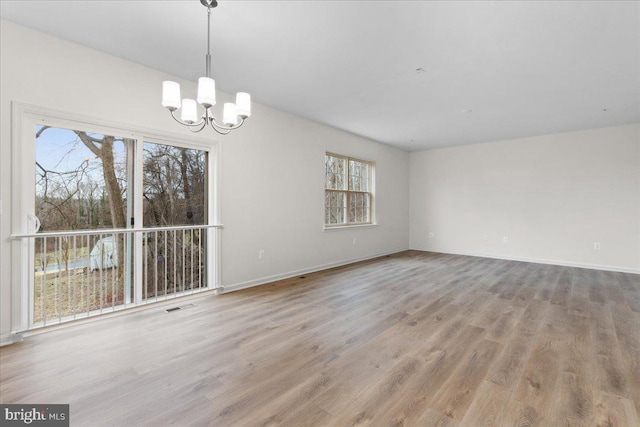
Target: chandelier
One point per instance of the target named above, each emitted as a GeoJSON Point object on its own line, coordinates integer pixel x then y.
{"type": "Point", "coordinates": [233, 115]}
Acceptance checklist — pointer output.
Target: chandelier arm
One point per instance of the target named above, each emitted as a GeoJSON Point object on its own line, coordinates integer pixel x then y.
{"type": "Point", "coordinates": [221, 132]}
{"type": "Point", "coordinates": [193, 129]}
{"type": "Point", "coordinates": [211, 120]}
{"type": "Point", "coordinates": [215, 124]}
{"type": "Point", "coordinates": [202, 121]}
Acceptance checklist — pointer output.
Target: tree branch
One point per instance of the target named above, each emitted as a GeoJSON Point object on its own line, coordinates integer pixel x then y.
{"type": "Point", "coordinates": [41, 130]}
{"type": "Point", "coordinates": [89, 142]}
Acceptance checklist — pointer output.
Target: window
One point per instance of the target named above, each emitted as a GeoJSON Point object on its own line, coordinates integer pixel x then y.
{"type": "Point", "coordinates": [348, 191]}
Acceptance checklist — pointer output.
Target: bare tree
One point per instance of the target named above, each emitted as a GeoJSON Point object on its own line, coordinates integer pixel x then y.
{"type": "Point", "coordinates": [174, 194]}
{"type": "Point", "coordinates": [92, 193]}
{"type": "Point", "coordinates": [103, 149]}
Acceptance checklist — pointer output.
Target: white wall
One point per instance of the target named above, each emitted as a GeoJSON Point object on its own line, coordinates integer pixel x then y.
{"type": "Point", "coordinates": [272, 169]}
{"type": "Point", "coordinates": [553, 196]}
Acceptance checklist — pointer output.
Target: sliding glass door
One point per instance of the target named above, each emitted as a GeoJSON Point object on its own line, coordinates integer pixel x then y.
{"type": "Point", "coordinates": [113, 219]}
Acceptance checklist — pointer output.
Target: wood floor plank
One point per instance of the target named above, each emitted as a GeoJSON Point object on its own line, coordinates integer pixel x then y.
{"type": "Point", "coordinates": [460, 390]}
{"type": "Point", "coordinates": [367, 407]}
{"type": "Point", "coordinates": [361, 369]}
{"type": "Point", "coordinates": [433, 418]}
{"type": "Point", "coordinates": [614, 293]}
{"type": "Point", "coordinates": [613, 411]}
{"type": "Point", "coordinates": [411, 339]}
{"type": "Point", "coordinates": [507, 370]}
{"type": "Point", "coordinates": [532, 401]}
{"type": "Point", "coordinates": [488, 406]}
{"type": "Point", "coordinates": [505, 324]}
{"type": "Point", "coordinates": [610, 374]}
{"type": "Point", "coordinates": [597, 292]}
{"type": "Point", "coordinates": [562, 290]}
{"type": "Point", "coordinates": [633, 300]}
{"type": "Point", "coordinates": [579, 305]}
{"type": "Point", "coordinates": [293, 407]}
{"type": "Point", "coordinates": [627, 329]}
{"type": "Point", "coordinates": [574, 392]}
{"type": "Point", "coordinates": [441, 356]}
{"type": "Point", "coordinates": [489, 313]}
{"type": "Point", "coordinates": [547, 282]}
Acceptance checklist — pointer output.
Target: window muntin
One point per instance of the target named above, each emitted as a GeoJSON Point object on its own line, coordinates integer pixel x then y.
{"type": "Point", "coordinates": [348, 195]}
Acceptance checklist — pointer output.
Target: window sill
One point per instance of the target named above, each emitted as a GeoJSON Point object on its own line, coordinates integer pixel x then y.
{"type": "Point", "coordinates": [342, 227]}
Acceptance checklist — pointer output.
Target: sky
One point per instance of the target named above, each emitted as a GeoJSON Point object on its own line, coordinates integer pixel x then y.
{"type": "Point", "coordinates": [60, 150]}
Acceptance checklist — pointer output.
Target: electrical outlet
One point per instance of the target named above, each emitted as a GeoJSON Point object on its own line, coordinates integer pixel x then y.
{"type": "Point", "coordinates": [596, 246]}
{"type": "Point", "coordinates": [431, 234]}
{"type": "Point", "coordinates": [505, 239]}
{"type": "Point", "coordinates": [354, 241]}
{"type": "Point", "coordinates": [261, 254]}
{"type": "Point", "coordinates": [485, 237]}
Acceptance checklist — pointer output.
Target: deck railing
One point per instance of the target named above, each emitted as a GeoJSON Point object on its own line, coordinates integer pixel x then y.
{"type": "Point", "coordinates": [78, 274]}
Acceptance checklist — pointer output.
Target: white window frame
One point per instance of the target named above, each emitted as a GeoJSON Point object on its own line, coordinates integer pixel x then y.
{"type": "Point", "coordinates": [348, 192]}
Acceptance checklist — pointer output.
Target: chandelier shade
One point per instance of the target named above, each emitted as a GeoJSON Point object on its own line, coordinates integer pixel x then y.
{"type": "Point", "coordinates": [206, 92]}
{"type": "Point", "coordinates": [189, 111]}
{"type": "Point", "coordinates": [171, 95]}
{"type": "Point", "coordinates": [243, 104]}
{"type": "Point", "coordinates": [197, 114]}
{"type": "Point", "coordinates": [230, 114]}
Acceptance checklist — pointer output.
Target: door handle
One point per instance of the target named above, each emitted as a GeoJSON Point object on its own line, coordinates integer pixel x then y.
{"type": "Point", "coordinates": [34, 223]}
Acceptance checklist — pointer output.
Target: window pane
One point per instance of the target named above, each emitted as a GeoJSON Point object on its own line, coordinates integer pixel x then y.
{"type": "Point", "coordinates": [80, 183]}
{"type": "Point", "coordinates": [358, 176]}
{"type": "Point", "coordinates": [367, 208]}
{"type": "Point", "coordinates": [359, 208]}
{"type": "Point", "coordinates": [81, 179]}
{"type": "Point", "coordinates": [174, 185]}
{"type": "Point", "coordinates": [335, 207]}
{"type": "Point", "coordinates": [352, 207]}
{"type": "Point", "coordinates": [335, 168]}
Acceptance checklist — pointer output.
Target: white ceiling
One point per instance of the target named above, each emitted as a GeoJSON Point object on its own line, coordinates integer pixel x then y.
{"type": "Point", "coordinates": [522, 68]}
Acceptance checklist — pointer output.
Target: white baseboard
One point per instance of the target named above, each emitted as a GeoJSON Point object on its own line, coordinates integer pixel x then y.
{"type": "Point", "coordinates": [539, 261]}
{"type": "Point", "coordinates": [290, 274]}
{"type": "Point", "coordinates": [7, 339]}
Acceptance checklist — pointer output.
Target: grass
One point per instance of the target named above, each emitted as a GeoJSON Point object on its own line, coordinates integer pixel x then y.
{"type": "Point", "coordinates": [76, 291]}
{"type": "Point", "coordinates": [57, 256]}
{"type": "Point", "coordinates": [63, 292]}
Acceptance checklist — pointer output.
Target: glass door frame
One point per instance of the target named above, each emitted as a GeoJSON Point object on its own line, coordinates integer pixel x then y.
{"type": "Point", "coordinates": [24, 119]}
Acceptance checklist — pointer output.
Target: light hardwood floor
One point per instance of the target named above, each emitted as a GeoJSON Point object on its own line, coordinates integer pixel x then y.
{"type": "Point", "coordinates": [415, 339]}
